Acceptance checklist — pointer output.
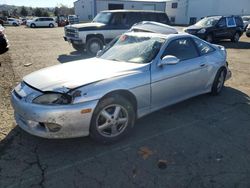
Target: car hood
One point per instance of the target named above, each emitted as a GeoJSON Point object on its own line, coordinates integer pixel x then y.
{"type": "Point", "coordinates": [87, 25]}
{"type": "Point", "coordinates": [195, 27]}
{"type": "Point", "coordinates": [78, 73]}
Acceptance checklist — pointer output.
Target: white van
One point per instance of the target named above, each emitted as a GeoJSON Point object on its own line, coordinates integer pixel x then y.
{"type": "Point", "coordinates": [42, 22]}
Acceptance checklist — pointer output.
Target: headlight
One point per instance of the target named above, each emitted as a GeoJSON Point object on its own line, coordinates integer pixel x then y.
{"type": "Point", "coordinates": [76, 33]}
{"type": "Point", "coordinates": [202, 31]}
{"type": "Point", "coordinates": [53, 98]}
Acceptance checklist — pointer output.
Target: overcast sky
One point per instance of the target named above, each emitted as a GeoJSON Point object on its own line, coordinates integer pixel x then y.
{"type": "Point", "coordinates": [38, 3]}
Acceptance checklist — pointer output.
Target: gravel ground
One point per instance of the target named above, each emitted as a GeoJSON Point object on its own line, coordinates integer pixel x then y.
{"type": "Point", "coordinates": [201, 142]}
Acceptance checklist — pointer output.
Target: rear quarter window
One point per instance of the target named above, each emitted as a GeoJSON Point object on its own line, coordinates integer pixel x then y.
{"type": "Point", "coordinates": [203, 47]}
{"type": "Point", "coordinates": [239, 22]}
{"type": "Point", "coordinates": [231, 22]}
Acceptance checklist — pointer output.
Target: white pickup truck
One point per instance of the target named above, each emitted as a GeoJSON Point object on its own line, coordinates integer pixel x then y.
{"type": "Point", "coordinates": [106, 26]}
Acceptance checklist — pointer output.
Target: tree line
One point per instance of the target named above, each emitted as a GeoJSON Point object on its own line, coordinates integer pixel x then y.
{"type": "Point", "coordinates": [38, 12]}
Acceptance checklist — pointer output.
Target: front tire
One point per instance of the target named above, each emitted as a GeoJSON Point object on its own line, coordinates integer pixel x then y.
{"type": "Point", "coordinates": [78, 47]}
{"type": "Point", "coordinates": [32, 25]}
{"type": "Point", "coordinates": [94, 45]}
{"type": "Point", "coordinates": [112, 119]}
{"type": "Point", "coordinates": [219, 82]}
{"type": "Point", "coordinates": [51, 25]}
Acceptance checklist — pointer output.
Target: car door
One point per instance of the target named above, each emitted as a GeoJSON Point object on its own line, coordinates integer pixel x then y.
{"type": "Point", "coordinates": [9, 21]}
{"type": "Point", "coordinates": [117, 25]}
{"type": "Point", "coordinates": [173, 83]}
{"type": "Point", "coordinates": [38, 22]}
{"type": "Point", "coordinates": [231, 26]}
{"type": "Point", "coordinates": [221, 30]}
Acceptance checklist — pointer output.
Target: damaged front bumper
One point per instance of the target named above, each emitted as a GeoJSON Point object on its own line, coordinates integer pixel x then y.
{"type": "Point", "coordinates": [53, 121]}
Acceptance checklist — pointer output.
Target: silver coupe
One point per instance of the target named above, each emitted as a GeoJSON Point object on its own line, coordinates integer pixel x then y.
{"type": "Point", "coordinates": [136, 74]}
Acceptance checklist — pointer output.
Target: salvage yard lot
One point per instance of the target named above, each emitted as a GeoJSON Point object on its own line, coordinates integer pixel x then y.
{"type": "Point", "coordinates": [203, 142]}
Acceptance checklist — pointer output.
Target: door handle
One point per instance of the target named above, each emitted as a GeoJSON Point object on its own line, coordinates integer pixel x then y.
{"type": "Point", "coordinates": [202, 65]}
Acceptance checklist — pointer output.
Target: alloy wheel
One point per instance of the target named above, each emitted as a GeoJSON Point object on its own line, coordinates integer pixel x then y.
{"type": "Point", "coordinates": [112, 120]}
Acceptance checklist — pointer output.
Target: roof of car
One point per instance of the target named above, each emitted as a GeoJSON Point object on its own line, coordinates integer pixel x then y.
{"type": "Point", "coordinates": [219, 16]}
{"type": "Point", "coordinates": [147, 34]}
{"type": "Point", "coordinates": [123, 10]}
{"type": "Point", "coordinates": [154, 27]}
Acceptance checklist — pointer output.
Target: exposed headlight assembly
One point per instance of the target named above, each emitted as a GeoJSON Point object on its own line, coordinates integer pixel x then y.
{"type": "Point", "coordinates": [53, 98]}
{"type": "Point", "coordinates": [202, 31]}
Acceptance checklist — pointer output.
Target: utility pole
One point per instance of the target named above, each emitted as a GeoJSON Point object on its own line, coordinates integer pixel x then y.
{"type": "Point", "coordinates": [95, 8]}
{"type": "Point", "coordinates": [186, 13]}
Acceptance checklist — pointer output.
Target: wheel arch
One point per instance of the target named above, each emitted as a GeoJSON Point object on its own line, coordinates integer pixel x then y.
{"type": "Point", "coordinates": [124, 93]}
{"type": "Point", "coordinates": [100, 36]}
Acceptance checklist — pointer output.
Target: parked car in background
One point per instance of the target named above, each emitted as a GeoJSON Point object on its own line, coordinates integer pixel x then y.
{"type": "Point", "coordinates": [3, 40]}
{"type": "Point", "coordinates": [218, 27]}
{"type": "Point", "coordinates": [106, 26]}
{"type": "Point", "coordinates": [2, 22]}
{"type": "Point", "coordinates": [73, 19]}
{"type": "Point", "coordinates": [13, 22]}
{"type": "Point", "coordinates": [137, 74]}
{"type": "Point", "coordinates": [248, 31]}
{"type": "Point", "coordinates": [42, 22]}
{"type": "Point", "coordinates": [23, 21]}
{"type": "Point", "coordinates": [246, 21]}
{"type": "Point", "coordinates": [154, 27]}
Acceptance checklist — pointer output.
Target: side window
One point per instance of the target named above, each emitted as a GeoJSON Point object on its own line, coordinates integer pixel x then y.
{"type": "Point", "coordinates": [162, 18]}
{"type": "Point", "coordinates": [239, 21]}
{"type": "Point", "coordinates": [133, 17]}
{"type": "Point", "coordinates": [231, 22]}
{"type": "Point", "coordinates": [119, 19]}
{"type": "Point", "coordinates": [152, 17]}
{"type": "Point", "coordinates": [203, 47]}
{"type": "Point", "coordinates": [183, 49]}
{"type": "Point", "coordinates": [222, 22]}
{"type": "Point", "coordinates": [146, 16]}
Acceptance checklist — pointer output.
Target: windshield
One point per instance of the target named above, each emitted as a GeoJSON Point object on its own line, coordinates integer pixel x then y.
{"type": "Point", "coordinates": [102, 17]}
{"type": "Point", "coordinates": [134, 49]}
{"type": "Point", "coordinates": [208, 22]}
{"type": "Point", "coordinates": [246, 18]}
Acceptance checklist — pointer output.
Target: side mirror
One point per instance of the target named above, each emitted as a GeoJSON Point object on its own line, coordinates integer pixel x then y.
{"type": "Point", "coordinates": [168, 60]}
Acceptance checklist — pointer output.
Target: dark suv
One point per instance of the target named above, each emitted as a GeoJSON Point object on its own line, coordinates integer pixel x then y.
{"type": "Point", "coordinates": [106, 26]}
{"type": "Point", "coordinates": [218, 27]}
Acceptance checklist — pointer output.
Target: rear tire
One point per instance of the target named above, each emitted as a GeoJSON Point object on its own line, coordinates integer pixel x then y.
{"type": "Point", "coordinates": [112, 119]}
{"type": "Point", "coordinates": [218, 83]}
{"type": "Point", "coordinates": [236, 37]}
{"type": "Point", "coordinates": [93, 45]}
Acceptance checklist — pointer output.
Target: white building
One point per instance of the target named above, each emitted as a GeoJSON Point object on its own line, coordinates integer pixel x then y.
{"type": "Point", "coordinates": [87, 9]}
{"type": "Point", "coordinates": [190, 11]}
{"type": "Point", "coordinates": [179, 11]}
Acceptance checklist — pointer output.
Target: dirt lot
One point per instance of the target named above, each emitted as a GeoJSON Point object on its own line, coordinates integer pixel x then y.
{"type": "Point", "coordinates": [204, 141]}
